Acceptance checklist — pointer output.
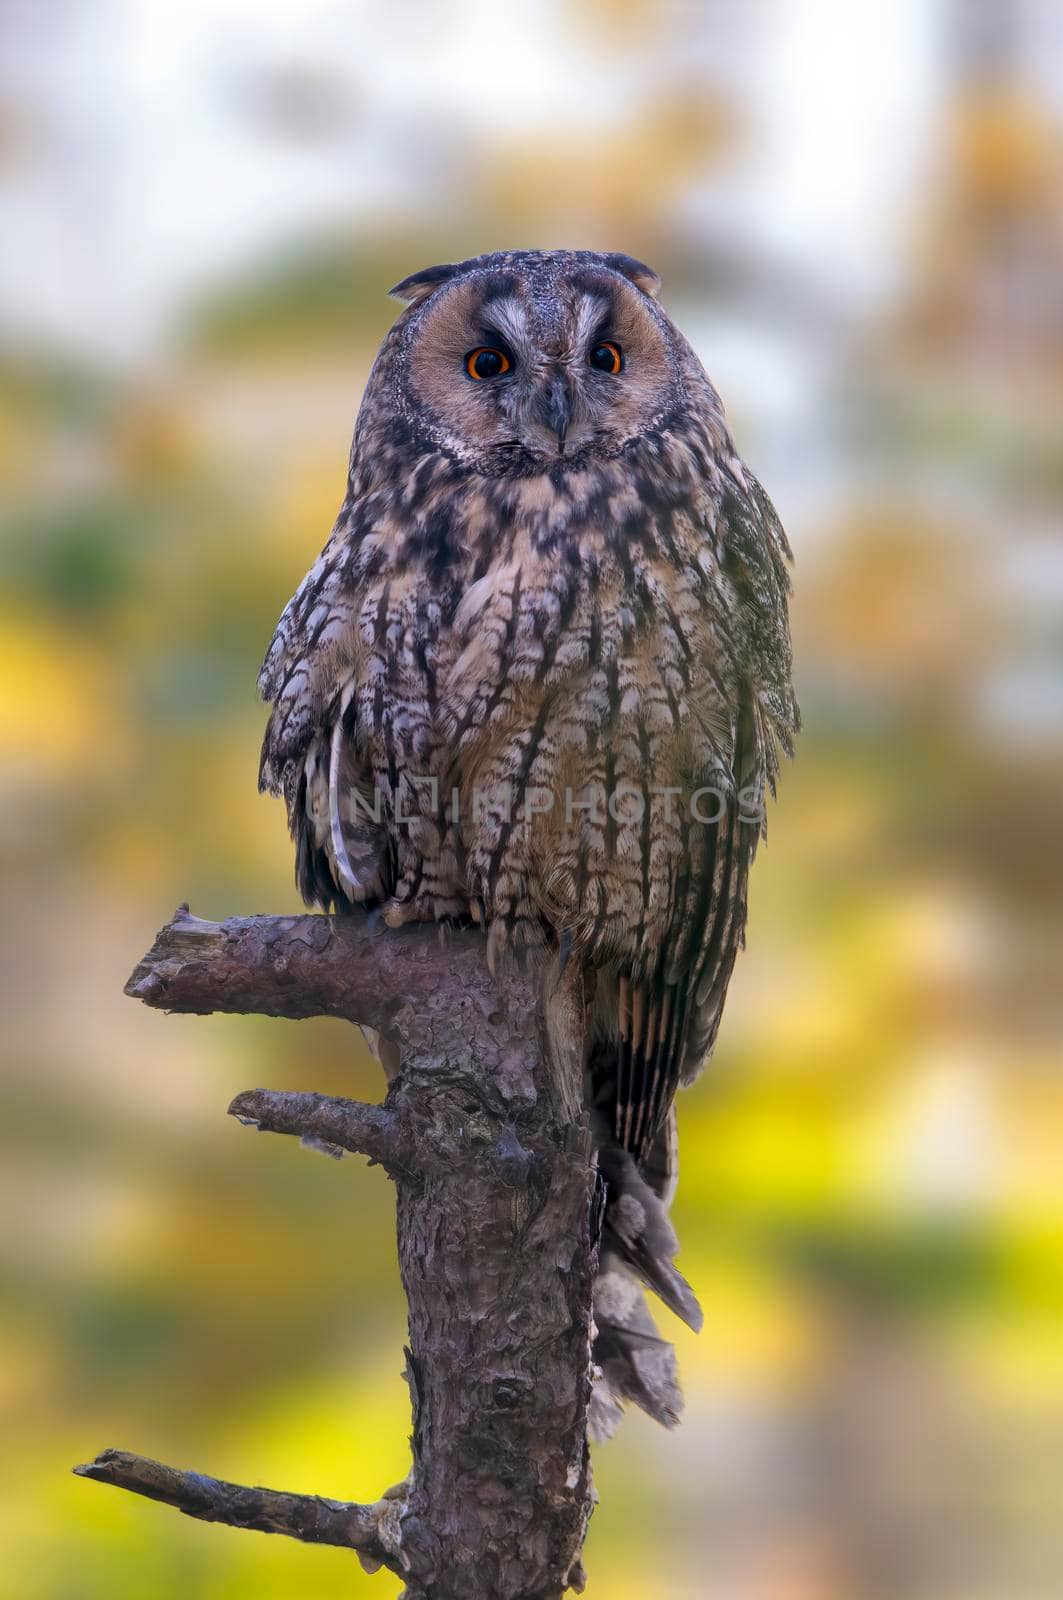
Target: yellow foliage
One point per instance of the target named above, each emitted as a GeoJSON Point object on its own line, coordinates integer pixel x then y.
{"type": "Point", "coordinates": [58, 714]}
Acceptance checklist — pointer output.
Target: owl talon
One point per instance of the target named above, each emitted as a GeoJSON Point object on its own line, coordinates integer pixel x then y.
{"type": "Point", "coordinates": [397, 913]}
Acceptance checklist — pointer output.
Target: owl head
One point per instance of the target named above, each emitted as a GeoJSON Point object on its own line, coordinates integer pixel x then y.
{"type": "Point", "coordinates": [526, 361]}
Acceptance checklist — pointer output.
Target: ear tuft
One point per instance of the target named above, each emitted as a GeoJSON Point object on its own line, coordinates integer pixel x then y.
{"type": "Point", "coordinates": [419, 285]}
{"type": "Point", "coordinates": [636, 272]}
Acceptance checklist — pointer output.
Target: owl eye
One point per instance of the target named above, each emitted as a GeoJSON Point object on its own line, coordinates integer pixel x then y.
{"type": "Point", "coordinates": [607, 358]}
{"type": "Point", "coordinates": [486, 363]}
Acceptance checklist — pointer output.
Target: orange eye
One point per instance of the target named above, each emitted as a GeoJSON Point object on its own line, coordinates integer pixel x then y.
{"type": "Point", "coordinates": [607, 357]}
{"type": "Point", "coordinates": [486, 363]}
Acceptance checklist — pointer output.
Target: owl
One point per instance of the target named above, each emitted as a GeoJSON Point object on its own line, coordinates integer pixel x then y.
{"type": "Point", "coordinates": [539, 680]}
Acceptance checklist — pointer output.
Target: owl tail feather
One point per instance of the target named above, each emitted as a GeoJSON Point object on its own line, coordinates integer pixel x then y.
{"type": "Point", "coordinates": [633, 1363]}
{"type": "Point", "coordinates": [638, 1243]}
{"type": "Point", "coordinates": [638, 1230]}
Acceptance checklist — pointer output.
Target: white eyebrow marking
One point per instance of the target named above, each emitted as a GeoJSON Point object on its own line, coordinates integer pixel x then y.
{"type": "Point", "coordinates": [593, 308]}
{"type": "Point", "coordinates": [509, 317]}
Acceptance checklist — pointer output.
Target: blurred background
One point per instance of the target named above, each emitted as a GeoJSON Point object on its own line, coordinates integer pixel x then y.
{"type": "Point", "coordinates": [858, 215]}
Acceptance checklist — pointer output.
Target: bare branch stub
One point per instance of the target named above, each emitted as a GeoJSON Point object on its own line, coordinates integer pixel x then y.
{"type": "Point", "coordinates": [373, 1131]}
{"type": "Point", "coordinates": [308, 1517]}
{"type": "Point", "coordinates": [497, 1197]}
{"type": "Point", "coordinates": [403, 983]}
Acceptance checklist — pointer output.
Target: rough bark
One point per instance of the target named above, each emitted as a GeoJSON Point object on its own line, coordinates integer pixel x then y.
{"type": "Point", "coordinates": [497, 1198]}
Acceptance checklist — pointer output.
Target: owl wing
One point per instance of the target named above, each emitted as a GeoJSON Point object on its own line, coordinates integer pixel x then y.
{"type": "Point", "coordinates": [668, 1021]}
{"type": "Point", "coordinates": [312, 752]}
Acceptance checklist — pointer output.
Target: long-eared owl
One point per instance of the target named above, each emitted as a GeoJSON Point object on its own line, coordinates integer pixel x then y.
{"type": "Point", "coordinates": [539, 678]}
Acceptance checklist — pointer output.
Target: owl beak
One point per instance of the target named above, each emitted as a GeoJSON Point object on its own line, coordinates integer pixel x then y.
{"type": "Point", "coordinates": [555, 409]}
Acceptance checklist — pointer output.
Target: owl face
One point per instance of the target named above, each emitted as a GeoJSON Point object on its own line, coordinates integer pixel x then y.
{"type": "Point", "coordinates": [524, 362]}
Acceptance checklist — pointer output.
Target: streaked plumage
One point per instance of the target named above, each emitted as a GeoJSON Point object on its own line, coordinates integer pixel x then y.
{"type": "Point", "coordinates": [542, 591]}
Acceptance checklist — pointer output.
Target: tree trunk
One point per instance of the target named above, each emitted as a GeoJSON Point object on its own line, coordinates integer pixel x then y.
{"type": "Point", "coordinates": [498, 1213]}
